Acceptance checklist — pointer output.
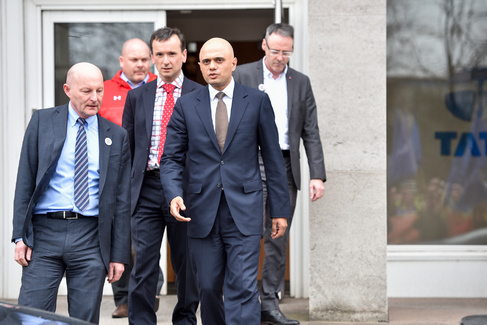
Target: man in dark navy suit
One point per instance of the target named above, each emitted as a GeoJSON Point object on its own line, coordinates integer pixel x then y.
{"type": "Point", "coordinates": [214, 136]}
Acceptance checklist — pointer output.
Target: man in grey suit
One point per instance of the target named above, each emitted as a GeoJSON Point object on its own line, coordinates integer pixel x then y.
{"type": "Point", "coordinates": [72, 200]}
{"type": "Point", "coordinates": [296, 119]}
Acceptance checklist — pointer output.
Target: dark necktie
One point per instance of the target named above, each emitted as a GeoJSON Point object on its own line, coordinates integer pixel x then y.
{"type": "Point", "coordinates": [166, 115]}
{"type": "Point", "coordinates": [221, 121]}
{"type": "Point", "coordinates": [81, 194]}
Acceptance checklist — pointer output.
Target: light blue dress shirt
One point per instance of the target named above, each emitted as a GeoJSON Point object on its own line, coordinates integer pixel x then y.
{"type": "Point", "coordinates": [124, 77]}
{"type": "Point", "coordinates": [59, 195]}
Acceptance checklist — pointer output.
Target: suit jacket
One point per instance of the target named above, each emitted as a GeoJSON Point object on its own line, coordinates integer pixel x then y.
{"type": "Point", "coordinates": [191, 142]}
{"type": "Point", "coordinates": [41, 149]}
{"type": "Point", "coordinates": [137, 120]}
{"type": "Point", "coordinates": [302, 116]}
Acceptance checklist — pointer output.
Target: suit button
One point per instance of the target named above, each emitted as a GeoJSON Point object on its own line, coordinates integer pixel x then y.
{"type": "Point", "coordinates": [222, 162]}
{"type": "Point", "coordinates": [219, 185]}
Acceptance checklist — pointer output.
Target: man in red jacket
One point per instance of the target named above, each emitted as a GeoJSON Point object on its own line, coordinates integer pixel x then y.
{"type": "Point", "coordinates": [135, 63]}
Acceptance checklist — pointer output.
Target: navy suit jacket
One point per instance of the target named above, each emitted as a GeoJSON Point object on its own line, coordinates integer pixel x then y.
{"type": "Point", "coordinates": [137, 120]}
{"type": "Point", "coordinates": [191, 142]}
{"type": "Point", "coordinates": [41, 149]}
{"type": "Point", "coordinates": [302, 115]}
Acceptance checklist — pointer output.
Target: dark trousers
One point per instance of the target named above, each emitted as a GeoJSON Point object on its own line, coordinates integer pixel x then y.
{"type": "Point", "coordinates": [71, 247]}
{"type": "Point", "coordinates": [274, 266]}
{"type": "Point", "coordinates": [150, 219]}
{"type": "Point", "coordinates": [227, 261]}
{"type": "Point", "coordinates": [121, 287]}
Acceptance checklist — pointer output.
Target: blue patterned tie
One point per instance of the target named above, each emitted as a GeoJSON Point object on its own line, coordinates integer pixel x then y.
{"type": "Point", "coordinates": [81, 195]}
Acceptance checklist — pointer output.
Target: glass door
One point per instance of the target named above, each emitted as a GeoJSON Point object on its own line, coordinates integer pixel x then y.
{"type": "Point", "coordinates": [93, 36]}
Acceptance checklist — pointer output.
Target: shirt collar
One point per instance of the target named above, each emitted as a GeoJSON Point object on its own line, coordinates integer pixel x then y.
{"type": "Point", "coordinates": [124, 77]}
{"type": "Point", "coordinates": [268, 74]}
{"type": "Point", "coordinates": [228, 90]}
{"type": "Point", "coordinates": [73, 118]}
{"type": "Point", "coordinates": [178, 82]}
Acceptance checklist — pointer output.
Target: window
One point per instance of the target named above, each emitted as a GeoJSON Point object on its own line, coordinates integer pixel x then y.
{"type": "Point", "coordinates": [437, 122]}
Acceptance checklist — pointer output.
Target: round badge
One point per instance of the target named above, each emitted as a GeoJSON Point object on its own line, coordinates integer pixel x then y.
{"type": "Point", "coordinates": [108, 141]}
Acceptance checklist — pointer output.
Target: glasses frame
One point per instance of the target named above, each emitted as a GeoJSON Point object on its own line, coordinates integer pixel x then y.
{"type": "Point", "coordinates": [285, 54]}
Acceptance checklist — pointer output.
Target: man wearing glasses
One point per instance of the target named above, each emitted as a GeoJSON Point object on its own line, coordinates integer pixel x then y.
{"type": "Point", "coordinates": [296, 118]}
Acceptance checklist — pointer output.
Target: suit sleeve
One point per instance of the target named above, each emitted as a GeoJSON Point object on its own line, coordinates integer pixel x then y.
{"type": "Point", "coordinates": [121, 221]}
{"type": "Point", "coordinates": [311, 137]}
{"type": "Point", "coordinates": [275, 168]}
{"type": "Point", "coordinates": [26, 175]}
{"type": "Point", "coordinates": [173, 159]}
{"type": "Point", "coordinates": [128, 120]}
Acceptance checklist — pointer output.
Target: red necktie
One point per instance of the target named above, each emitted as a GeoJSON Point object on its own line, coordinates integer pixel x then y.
{"type": "Point", "coordinates": [166, 115]}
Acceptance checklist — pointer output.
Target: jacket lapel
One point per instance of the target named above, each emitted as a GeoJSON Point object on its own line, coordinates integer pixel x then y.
{"type": "Point", "coordinates": [239, 105]}
{"type": "Point", "coordinates": [105, 141]}
{"type": "Point", "coordinates": [149, 97]}
{"type": "Point", "coordinates": [59, 126]}
{"type": "Point", "coordinates": [290, 93]}
{"type": "Point", "coordinates": [203, 109]}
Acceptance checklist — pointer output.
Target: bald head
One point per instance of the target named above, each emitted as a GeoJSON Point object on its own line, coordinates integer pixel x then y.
{"type": "Point", "coordinates": [135, 60]}
{"type": "Point", "coordinates": [217, 62]}
{"type": "Point", "coordinates": [84, 87]}
{"type": "Point", "coordinates": [83, 70]}
{"type": "Point", "coordinates": [134, 44]}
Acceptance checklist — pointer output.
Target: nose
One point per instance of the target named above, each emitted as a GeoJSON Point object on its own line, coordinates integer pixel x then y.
{"type": "Point", "coordinates": [94, 96]}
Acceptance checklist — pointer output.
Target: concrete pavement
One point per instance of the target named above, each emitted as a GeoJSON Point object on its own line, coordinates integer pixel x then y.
{"type": "Point", "coordinates": [402, 311]}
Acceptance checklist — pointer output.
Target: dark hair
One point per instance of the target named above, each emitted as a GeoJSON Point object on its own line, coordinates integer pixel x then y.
{"type": "Point", "coordinates": [285, 30]}
{"type": "Point", "coordinates": [165, 33]}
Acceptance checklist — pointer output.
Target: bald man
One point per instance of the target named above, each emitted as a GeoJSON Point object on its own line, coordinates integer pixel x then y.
{"type": "Point", "coordinates": [72, 200]}
{"type": "Point", "coordinates": [135, 63]}
{"type": "Point", "coordinates": [214, 135]}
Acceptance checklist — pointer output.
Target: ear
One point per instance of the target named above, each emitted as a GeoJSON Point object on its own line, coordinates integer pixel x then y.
{"type": "Point", "coordinates": [120, 59]}
{"type": "Point", "coordinates": [234, 64]}
{"type": "Point", "coordinates": [67, 90]}
{"type": "Point", "coordinates": [185, 55]}
{"type": "Point", "coordinates": [263, 44]}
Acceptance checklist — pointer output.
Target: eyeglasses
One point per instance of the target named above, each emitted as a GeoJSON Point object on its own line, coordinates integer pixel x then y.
{"type": "Point", "coordinates": [285, 54]}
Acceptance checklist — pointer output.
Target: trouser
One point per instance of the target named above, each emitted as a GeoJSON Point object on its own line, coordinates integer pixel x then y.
{"type": "Point", "coordinates": [151, 217]}
{"type": "Point", "coordinates": [71, 247]}
{"type": "Point", "coordinates": [274, 266]}
{"type": "Point", "coordinates": [227, 261]}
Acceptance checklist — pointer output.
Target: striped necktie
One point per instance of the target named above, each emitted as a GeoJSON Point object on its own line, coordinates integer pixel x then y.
{"type": "Point", "coordinates": [81, 194]}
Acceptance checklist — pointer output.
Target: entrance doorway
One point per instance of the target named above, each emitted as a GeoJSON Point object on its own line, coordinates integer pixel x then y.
{"type": "Point", "coordinates": [244, 34]}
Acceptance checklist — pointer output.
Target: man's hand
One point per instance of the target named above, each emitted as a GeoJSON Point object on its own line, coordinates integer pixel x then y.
{"type": "Point", "coordinates": [22, 253]}
{"type": "Point", "coordinates": [177, 204]}
{"type": "Point", "coordinates": [115, 271]}
{"type": "Point", "coordinates": [316, 189]}
{"type": "Point", "coordinates": [279, 226]}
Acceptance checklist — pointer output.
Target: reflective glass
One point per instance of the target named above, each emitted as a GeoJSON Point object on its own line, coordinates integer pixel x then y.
{"type": "Point", "coordinates": [437, 121]}
{"type": "Point", "coordinates": [98, 43]}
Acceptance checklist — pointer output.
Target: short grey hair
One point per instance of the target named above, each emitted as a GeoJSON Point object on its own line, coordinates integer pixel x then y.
{"type": "Point", "coordinates": [285, 30]}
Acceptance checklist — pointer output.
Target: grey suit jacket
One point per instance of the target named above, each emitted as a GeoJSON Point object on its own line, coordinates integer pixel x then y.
{"type": "Point", "coordinates": [302, 115]}
{"type": "Point", "coordinates": [137, 120]}
{"type": "Point", "coordinates": [41, 149]}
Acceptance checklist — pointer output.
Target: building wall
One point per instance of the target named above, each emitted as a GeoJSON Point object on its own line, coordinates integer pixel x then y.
{"type": "Point", "coordinates": [12, 126]}
{"type": "Point", "coordinates": [347, 64]}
